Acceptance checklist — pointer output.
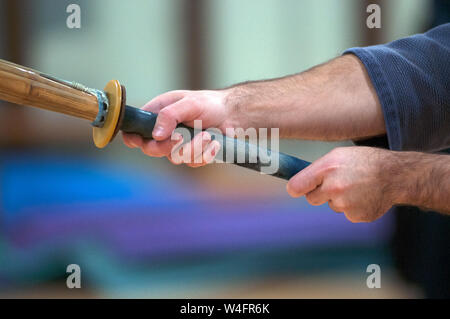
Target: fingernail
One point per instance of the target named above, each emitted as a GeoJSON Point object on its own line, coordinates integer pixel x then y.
{"type": "Point", "coordinates": [158, 131]}
{"type": "Point", "coordinates": [206, 136]}
{"type": "Point", "coordinates": [215, 149]}
{"type": "Point", "coordinates": [176, 137]}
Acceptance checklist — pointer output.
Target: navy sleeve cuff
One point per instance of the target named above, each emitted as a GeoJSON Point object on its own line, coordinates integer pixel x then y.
{"type": "Point", "coordinates": [385, 95]}
{"type": "Point", "coordinates": [411, 79]}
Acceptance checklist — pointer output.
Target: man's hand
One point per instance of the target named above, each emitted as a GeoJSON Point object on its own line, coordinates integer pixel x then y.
{"type": "Point", "coordinates": [352, 180]}
{"type": "Point", "coordinates": [185, 107]}
{"type": "Point", "coordinates": [364, 182]}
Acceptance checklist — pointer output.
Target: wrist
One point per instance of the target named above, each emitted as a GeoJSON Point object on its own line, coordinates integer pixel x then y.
{"type": "Point", "coordinates": [232, 103]}
{"type": "Point", "coordinates": [407, 172]}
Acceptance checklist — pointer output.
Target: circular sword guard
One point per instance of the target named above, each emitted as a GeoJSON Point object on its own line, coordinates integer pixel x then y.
{"type": "Point", "coordinates": [103, 135]}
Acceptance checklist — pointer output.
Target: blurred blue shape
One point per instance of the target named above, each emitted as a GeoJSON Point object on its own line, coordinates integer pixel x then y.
{"type": "Point", "coordinates": [58, 210]}
{"type": "Point", "coordinates": [34, 183]}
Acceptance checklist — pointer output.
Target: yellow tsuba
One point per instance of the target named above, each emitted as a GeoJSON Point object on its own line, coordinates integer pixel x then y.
{"type": "Point", "coordinates": [104, 135]}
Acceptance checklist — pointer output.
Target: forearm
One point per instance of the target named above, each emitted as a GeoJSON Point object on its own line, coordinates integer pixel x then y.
{"type": "Point", "coordinates": [333, 101]}
{"type": "Point", "coordinates": [419, 179]}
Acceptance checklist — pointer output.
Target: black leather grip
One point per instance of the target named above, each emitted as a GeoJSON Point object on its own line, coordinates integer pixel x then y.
{"type": "Point", "coordinates": [244, 154]}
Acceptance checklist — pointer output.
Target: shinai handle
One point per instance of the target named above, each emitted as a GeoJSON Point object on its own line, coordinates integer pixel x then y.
{"type": "Point", "coordinates": [21, 85]}
{"type": "Point", "coordinates": [141, 122]}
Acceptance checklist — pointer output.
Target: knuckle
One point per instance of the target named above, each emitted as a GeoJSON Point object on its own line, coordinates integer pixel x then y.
{"type": "Point", "coordinates": [340, 204]}
{"type": "Point", "coordinates": [336, 186]}
{"type": "Point", "coordinates": [336, 156]}
{"type": "Point", "coordinates": [166, 112]}
{"type": "Point", "coordinates": [191, 99]}
{"type": "Point", "coordinates": [312, 199]}
{"type": "Point", "coordinates": [360, 217]}
{"type": "Point", "coordinates": [192, 104]}
{"type": "Point", "coordinates": [330, 165]}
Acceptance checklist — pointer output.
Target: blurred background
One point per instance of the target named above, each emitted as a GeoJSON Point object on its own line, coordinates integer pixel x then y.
{"type": "Point", "coordinates": [140, 227]}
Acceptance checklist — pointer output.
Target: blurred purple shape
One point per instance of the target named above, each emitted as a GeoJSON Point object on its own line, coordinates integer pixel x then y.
{"type": "Point", "coordinates": [196, 228]}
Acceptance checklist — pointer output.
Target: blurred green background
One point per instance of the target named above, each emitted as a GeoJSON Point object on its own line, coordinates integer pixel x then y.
{"type": "Point", "coordinates": [153, 46]}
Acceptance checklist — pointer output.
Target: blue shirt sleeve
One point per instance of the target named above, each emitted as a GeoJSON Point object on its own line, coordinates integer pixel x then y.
{"type": "Point", "coordinates": [412, 79]}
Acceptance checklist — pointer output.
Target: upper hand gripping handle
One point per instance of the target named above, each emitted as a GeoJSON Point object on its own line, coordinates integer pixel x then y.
{"type": "Point", "coordinates": [245, 154]}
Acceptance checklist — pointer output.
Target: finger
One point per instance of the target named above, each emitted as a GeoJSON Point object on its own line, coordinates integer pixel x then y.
{"type": "Point", "coordinates": [188, 152]}
{"type": "Point", "coordinates": [197, 146]}
{"type": "Point", "coordinates": [132, 140]}
{"type": "Point", "coordinates": [317, 197]}
{"type": "Point", "coordinates": [334, 207]}
{"type": "Point", "coordinates": [211, 151]}
{"type": "Point", "coordinates": [305, 181]}
{"type": "Point", "coordinates": [170, 116]}
{"type": "Point", "coordinates": [159, 149]}
{"type": "Point", "coordinates": [208, 155]}
{"type": "Point", "coordinates": [163, 100]}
